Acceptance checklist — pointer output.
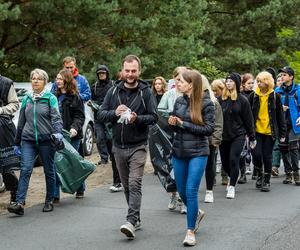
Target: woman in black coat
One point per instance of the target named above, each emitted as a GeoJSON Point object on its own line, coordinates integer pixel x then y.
{"type": "Point", "coordinates": [72, 113]}
{"type": "Point", "coordinates": [238, 122]}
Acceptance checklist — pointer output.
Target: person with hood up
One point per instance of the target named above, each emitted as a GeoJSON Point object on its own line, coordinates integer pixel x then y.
{"type": "Point", "coordinates": [99, 90]}
{"type": "Point", "coordinates": [237, 123]}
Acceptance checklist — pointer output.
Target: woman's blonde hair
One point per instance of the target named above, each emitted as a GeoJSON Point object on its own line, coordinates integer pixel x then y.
{"type": "Point", "coordinates": [194, 77]}
{"type": "Point", "coordinates": [218, 83]}
{"type": "Point", "coordinates": [163, 82]}
{"type": "Point", "coordinates": [230, 94]}
{"type": "Point", "coordinates": [267, 78]}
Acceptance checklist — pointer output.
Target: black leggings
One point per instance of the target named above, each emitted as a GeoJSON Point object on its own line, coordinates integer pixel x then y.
{"type": "Point", "coordinates": [262, 153]}
{"type": "Point", "coordinates": [230, 156]}
{"type": "Point", "coordinates": [10, 180]}
{"type": "Point", "coordinates": [210, 171]}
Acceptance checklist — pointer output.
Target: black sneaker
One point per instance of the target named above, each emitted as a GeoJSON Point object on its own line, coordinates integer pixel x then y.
{"type": "Point", "coordinates": [48, 207]}
{"type": "Point", "coordinates": [79, 195]}
{"type": "Point", "coordinates": [296, 178]}
{"type": "Point", "coordinates": [16, 208]}
{"type": "Point", "coordinates": [102, 162]}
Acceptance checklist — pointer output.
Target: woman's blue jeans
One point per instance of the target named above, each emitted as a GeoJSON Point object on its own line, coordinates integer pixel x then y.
{"type": "Point", "coordinates": [188, 173]}
{"type": "Point", "coordinates": [76, 144]}
{"type": "Point", "coordinates": [29, 151]}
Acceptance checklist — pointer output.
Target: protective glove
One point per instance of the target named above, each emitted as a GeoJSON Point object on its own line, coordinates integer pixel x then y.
{"type": "Point", "coordinates": [125, 117]}
{"type": "Point", "coordinates": [73, 132]}
{"type": "Point", "coordinates": [252, 144]}
{"type": "Point", "coordinates": [17, 150]}
{"type": "Point", "coordinates": [58, 136]}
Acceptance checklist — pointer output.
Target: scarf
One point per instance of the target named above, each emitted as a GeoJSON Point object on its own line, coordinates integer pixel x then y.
{"type": "Point", "coordinates": [36, 96]}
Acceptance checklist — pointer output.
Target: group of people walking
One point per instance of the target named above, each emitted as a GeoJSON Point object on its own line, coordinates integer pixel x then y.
{"type": "Point", "coordinates": [204, 119]}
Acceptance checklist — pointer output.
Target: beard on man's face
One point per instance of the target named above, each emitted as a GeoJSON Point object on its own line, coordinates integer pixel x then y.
{"type": "Point", "coordinates": [131, 81]}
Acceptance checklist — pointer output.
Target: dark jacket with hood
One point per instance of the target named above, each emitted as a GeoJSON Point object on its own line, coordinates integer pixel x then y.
{"type": "Point", "coordinates": [237, 115]}
{"type": "Point", "coordinates": [141, 101]}
{"type": "Point", "coordinates": [73, 114]}
{"type": "Point", "coordinates": [191, 140]}
{"type": "Point", "coordinates": [101, 87]}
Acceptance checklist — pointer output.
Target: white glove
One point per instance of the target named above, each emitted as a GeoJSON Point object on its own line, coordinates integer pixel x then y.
{"type": "Point", "coordinates": [252, 144]}
{"type": "Point", "coordinates": [298, 121]}
{"type": "Point", "coordinates": [125, 117]}
{"type": "Point", "coordinates": [73, 132]}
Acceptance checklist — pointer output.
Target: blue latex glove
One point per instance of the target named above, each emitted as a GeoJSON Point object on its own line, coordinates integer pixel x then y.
{"type": "Point", "coordinates": [17, 150]}
{"type": "Point", "coordinates": [58, 136]}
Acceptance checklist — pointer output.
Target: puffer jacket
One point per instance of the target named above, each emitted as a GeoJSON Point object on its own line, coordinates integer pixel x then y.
{"type": "Point", "coordinates": [38, 119]}
{"type": "Point", "coordinates": [191, 140]}
{"type": "Point", "coordinates": [141, 101]}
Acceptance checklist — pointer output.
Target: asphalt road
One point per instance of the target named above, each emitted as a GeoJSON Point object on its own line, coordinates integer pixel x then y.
{"type": "Point", "coordinates": [254, 220]}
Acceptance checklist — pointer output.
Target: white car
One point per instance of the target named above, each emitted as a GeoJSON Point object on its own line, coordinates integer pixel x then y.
{"type": "Point", "coordinates": [88, 128]}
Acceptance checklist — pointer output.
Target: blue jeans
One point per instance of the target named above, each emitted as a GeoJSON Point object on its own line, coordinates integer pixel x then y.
{"type": "Point", "coordinates": [29, 152]}
{"type": "Point", "coordinates": [76, 144]}
{"type": "Point", "coordinates": [188, 173]}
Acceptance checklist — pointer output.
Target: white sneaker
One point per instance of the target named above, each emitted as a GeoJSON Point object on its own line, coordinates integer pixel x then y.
{"type": "Point", "coordinates": [231, 192]}
{"type": "Point", "coordinates": [248, 170]}
{"type": "Point", "coordinates": [209, 196]}
{"type": "Point", "coordinates": [116, 188]}
{"type": "Point", "coordinates": [173, 202]}
{"type": "Point", "coordinates": [128, 229]}
{"type": "Point", "coordinates": [189, 240]}
{"type": "Point", "coordinates": [182, 208]}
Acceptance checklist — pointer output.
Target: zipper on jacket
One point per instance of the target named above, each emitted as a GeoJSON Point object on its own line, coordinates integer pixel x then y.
{"type": "Point", "coordinates": [34, 122]}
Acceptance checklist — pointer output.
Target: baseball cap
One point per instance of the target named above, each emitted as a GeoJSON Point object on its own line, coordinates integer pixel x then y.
{"type": "Point", "coordinates": [287, 70]}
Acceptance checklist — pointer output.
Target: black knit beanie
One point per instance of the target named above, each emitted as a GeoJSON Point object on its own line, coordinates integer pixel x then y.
{"type": "Point", "coordinates": [236, 78]}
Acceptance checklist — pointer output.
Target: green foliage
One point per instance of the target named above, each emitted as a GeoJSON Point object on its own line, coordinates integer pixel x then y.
{"type": "Point", "coordinates": [242, 36]}
{"type": "Point", "coordinates": [206, 67]}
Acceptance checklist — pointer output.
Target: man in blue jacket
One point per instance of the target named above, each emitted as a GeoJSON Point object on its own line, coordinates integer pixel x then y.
{"type": "Point", "coordinates": [84, 89]}
{"type": "Point", "coordinates": [290, 96]}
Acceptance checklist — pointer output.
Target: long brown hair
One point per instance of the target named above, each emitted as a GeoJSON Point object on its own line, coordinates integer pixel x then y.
{"type": "Point", "coordinates": [70, 84]}
{"type": "Point", "coordinates": [163, 81]}
{"type": "Point", "coordinates": [194, 77]}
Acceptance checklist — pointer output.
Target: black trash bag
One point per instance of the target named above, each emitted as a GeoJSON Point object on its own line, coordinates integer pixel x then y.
{"type": "Point", "coordinates": [160, 149]}
{"type": "Point", "coordinates": [8, 159]}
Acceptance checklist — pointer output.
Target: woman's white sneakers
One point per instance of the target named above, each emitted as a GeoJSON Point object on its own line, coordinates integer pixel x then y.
{"type": "Point", "coordinates": [230, 192]}
{"type": "Point", "coordinates": [189, 240]}
{"type": "Point", "coordinates": [209, 196]}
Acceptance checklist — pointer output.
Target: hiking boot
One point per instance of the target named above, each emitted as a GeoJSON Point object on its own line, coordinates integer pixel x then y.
{"type": "Point", "coordinates": [288, 179]}
{"type": "Point", "coordinates": [275, 172]}
{"type": "Point", "coordinates": [231, 192]}
{"type": "Point", "coordinates": [224, 180]}
{"type": "Point", "coordinates": [117, 187]}
{"type": "Point", "coordinates": [242, 179]}
{"type": "Point", "coordinates": [199, 219]}
{"type": "Point", "coordinates": [173, 202]}
{"type": "Point", "coordinates": [296, 178]}
{"type": "Point", "coordinates": [16, 208]}
{"type": "Point", "coordinates": [209, 196]}
{"type": "Point", "coordinates": [79, 195]}
{"type": "Point", "coordinates": [48, 207]}
{"type": "Point", "coordinates": [128, 229]}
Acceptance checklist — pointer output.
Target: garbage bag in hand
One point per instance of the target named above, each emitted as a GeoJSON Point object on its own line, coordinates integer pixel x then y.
{"type": "Point", "coordinates": [71, 168]}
